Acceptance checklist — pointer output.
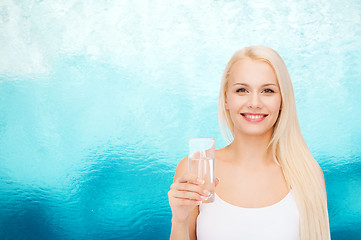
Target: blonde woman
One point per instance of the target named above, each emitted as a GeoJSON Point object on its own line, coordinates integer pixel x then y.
{"type": "Point", "coordinates": [268, 184]}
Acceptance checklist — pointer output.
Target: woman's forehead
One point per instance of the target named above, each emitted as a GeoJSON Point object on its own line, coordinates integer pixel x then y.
{"type": "Point", "coordinates": [252, 72]}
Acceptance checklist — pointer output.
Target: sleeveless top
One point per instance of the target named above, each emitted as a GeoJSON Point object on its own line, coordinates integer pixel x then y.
{"type": "Point", "coordinates": [222, 220]}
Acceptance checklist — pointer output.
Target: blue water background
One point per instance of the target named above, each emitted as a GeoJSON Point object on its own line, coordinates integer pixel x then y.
{"type": "Point", "coordinates": [99, 98]}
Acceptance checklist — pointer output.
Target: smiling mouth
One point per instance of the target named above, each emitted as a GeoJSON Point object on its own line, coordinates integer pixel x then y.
{"type": "Point", "coordinates": [254, 116]}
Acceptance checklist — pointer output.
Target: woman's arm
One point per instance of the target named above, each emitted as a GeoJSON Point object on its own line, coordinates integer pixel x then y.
{"type": "Point", "coordinates": [184, 228]}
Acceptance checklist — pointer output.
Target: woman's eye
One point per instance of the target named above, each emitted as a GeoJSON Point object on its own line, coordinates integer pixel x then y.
{"type": "Point", "coordinates": [241, 90]}
{"type": "Point", "coordinates": [268, 90]}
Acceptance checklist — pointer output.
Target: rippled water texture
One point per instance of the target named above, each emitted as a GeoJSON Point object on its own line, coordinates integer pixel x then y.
{"type": "Point", "coordinates": [99, 98]}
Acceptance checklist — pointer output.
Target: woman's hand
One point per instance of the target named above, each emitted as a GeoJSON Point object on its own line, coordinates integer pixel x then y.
{"type": "Point", "coordinates": [185, 194]}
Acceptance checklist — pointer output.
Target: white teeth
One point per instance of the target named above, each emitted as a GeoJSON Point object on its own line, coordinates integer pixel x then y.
{"type": "Point", "coordinates": [254, 116]}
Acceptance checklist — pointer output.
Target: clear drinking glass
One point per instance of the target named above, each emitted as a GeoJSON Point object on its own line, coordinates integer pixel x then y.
{"type": "Point", "coordinates": [201, 162]}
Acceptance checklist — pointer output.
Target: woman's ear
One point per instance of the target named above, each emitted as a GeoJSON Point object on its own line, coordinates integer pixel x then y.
{"type": "Point", "coordinates": [225, 101]}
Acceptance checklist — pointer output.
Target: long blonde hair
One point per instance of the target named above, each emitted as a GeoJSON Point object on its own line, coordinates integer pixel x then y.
{"type": "Point", "coordinates": [290, 151]}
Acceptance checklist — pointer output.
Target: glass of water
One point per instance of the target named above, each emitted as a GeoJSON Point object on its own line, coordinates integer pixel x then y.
{"type": "Point", "coordinates": [201, 162]}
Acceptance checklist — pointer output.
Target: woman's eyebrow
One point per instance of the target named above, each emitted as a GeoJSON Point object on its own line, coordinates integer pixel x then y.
{"type": "Point", "coordinates": [264, 85]}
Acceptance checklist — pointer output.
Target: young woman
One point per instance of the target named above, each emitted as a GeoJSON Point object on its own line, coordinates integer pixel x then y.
{"type": "Point", "coordinates": [268, 184]}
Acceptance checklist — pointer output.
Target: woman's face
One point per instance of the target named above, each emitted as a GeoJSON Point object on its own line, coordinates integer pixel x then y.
{"type": "Point", "coordinates": [253, 97]}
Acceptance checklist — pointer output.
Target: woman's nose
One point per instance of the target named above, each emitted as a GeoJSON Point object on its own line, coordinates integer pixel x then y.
{"type": "Point", "coordinates": [254, 101]}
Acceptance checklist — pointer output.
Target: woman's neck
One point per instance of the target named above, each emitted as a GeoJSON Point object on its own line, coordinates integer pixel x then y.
{"type": "Point", "coordinates": [251, 151]}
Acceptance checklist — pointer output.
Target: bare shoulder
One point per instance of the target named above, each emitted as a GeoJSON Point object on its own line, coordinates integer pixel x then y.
{"type": "Point", "coordinates": [182, 168]}
{"type": "Point", "coordinates": [221, 151]}
{"type": "Point", "coordinates": [221, 154]}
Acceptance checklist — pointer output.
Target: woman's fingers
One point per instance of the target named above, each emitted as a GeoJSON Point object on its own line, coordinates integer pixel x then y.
{"type": "Point", "coordinates": [187, 187]}
{"type": "Point", "coordinates": [184, 202]}
{"type": "Point", "coordinates": [189, 178]}
{"type": "Point", "coordinates": [180, 198]}
{"type": "Point", "coordinates": [188, 190]}
{"type": "Point", "coordinates": [189, 195]}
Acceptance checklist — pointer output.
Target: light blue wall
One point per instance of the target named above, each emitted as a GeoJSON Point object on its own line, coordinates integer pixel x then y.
{"type": "Point", "coordinates": [99, 98]}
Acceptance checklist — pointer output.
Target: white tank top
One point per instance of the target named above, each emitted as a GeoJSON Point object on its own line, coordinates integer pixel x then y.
{"type": "Point", "coordinates": [222, 220]}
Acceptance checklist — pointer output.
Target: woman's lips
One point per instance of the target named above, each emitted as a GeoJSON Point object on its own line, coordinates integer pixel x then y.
{"type": "Point", "coordinates": [252, 117]}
